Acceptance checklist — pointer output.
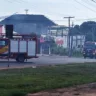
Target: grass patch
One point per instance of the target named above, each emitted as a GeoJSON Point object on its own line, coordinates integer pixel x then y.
{"type": "Point", "coordinates": [19, 82]}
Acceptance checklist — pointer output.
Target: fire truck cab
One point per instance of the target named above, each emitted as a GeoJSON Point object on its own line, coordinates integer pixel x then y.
{"type": "Point", "coordinates": [19, 48]}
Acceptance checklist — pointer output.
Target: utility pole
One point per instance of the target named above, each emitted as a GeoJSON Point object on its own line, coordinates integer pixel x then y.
{"type": "Point", "coordinates": [26, 10]}
{"type": "Point", "coordinates": [69, 47]}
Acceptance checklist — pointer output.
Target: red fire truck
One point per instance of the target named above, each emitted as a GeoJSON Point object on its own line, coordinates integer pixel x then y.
{"type": "Point", "coordinates": [20, 47]}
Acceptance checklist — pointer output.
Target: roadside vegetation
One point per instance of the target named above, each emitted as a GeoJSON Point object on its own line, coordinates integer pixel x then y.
{"type": "Point", "coordinates": [59, 50]}
{"type": "Point", "coordinates": [19, 82]}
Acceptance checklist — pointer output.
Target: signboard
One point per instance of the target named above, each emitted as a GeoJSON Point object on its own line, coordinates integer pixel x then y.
{"type": "Point", "coordinates": [42, 40]}
{"type": "Point", "coordinates": [59, 42]}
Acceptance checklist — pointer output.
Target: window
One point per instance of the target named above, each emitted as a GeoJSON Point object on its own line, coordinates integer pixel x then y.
{"type": "Point", "coordinates": [90, 45]}
{"type": "Point", "coordinates": [2, 43]}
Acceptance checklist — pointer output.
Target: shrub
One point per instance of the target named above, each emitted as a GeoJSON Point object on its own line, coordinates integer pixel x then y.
{"type": "Point", "coordinates": [17, 93]}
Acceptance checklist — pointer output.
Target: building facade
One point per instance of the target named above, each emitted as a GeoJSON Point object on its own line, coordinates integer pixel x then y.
{"type": "Point", "coordinates": [27, 24]}
{"type": "Point", "coordinates": [60, 34]}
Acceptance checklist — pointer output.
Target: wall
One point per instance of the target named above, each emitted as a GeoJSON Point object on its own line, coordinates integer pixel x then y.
{"type": "Point", "coordinates": [27, 28]}
{"type": "Point", "coordinates": [77, 41]}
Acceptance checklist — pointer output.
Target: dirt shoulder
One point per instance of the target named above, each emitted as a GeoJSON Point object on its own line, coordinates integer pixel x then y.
{"type": "Point", "coordinates": [82, 90]}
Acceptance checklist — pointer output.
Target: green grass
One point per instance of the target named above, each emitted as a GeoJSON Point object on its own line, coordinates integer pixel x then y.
{"type": "Point", "coordinates": [19, 82]}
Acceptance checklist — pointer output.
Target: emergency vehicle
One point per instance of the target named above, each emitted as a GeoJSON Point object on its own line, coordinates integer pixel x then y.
{"type": "Point", "coordinates": [20, 47]}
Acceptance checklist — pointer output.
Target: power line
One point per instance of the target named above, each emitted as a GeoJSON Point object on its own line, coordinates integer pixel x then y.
{"type": "Point", "coordinates": [8, 1]}
{"type": "Point", "coordinates": [17, 1]}
{"type": "Point", "coordinates": [22, 1]}
{"type": "Point", "coordinates": [61, 20]}
{"type": "Point", "coordinates": [78, 19]}
{"type": "Point", "coordinates": [75, 6]}
{"type": "Point", "coordinates": [86, 2]}
{"type": "Point", "coordinates": [93, 1]}
{"type": "Point", "coordinates": [11, 1]}
{"type": "Point", "coordinates": [85, 6]}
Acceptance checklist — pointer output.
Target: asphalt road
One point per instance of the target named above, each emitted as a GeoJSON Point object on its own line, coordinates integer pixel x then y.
{"type": "Point", "coordinates": [43, 61]}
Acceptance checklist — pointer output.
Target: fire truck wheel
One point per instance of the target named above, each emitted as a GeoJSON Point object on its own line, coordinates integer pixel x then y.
{"type": "Point", "coordinates": [20, 58]}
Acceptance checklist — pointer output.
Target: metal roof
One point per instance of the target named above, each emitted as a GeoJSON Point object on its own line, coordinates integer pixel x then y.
{"type": "Point", "coordinates": [23, 18]}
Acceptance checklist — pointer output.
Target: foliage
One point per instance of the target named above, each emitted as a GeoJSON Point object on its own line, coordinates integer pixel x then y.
{"type": "Point", "coordinates": [59, 50]}
{"type": "Point", "coordinates": [75, 30]}
{"type": "Point", "coordinates": [89, 30]}
{"type": "Point", "coordinates": [86, 28]}
{"type": "Point", "coordinates": [77, 53]}
{"type": "Point", "coordinates": [17, 93]}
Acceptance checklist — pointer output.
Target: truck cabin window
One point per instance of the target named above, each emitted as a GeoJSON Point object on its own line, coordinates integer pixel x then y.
{"type": "Point", "coordinates": [2, 43]}
{"type": "Point", "coordinates": [90, 45]}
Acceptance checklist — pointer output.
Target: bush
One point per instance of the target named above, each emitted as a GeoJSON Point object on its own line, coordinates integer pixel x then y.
{"type": "Point", "coordinates": [18, 93]}
{"type": "Point", "coordinates": [77, 53]}
{"type": "Point", "coordinates": [59, 50]}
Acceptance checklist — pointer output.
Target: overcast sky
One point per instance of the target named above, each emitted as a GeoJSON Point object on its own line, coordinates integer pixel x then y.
{"type": "Point", "coordinates": [53, 9]}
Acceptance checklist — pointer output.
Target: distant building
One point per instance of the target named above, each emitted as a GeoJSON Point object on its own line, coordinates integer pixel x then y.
{"type": "Point", "coordinates": [27, 24]}
{"type": "Point", "coordinates": [60, 34]}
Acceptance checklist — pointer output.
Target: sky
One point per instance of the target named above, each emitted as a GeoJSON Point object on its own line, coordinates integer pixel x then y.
{"type": "Point", "coordinates": [56, 10]}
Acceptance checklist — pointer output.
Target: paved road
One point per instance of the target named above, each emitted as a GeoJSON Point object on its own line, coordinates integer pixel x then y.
{"type": "Point", "coordinates": [43, 61]}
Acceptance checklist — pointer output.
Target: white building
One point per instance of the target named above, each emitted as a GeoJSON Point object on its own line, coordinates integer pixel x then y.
{"type": "Point", "coordinates": [60, 34]}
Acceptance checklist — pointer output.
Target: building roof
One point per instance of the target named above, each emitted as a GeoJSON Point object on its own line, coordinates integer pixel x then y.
{"type": "Point", "coordinates": [23, 18]}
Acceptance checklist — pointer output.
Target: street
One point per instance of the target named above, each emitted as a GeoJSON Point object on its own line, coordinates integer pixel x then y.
{"type": "Point", "coordinates": [43, 61]}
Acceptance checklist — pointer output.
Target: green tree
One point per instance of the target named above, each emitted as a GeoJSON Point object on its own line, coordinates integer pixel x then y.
{"type": "Point", "coordinates": [75, 30]}
{"type": "Point", "coordinates": [89, 30]}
